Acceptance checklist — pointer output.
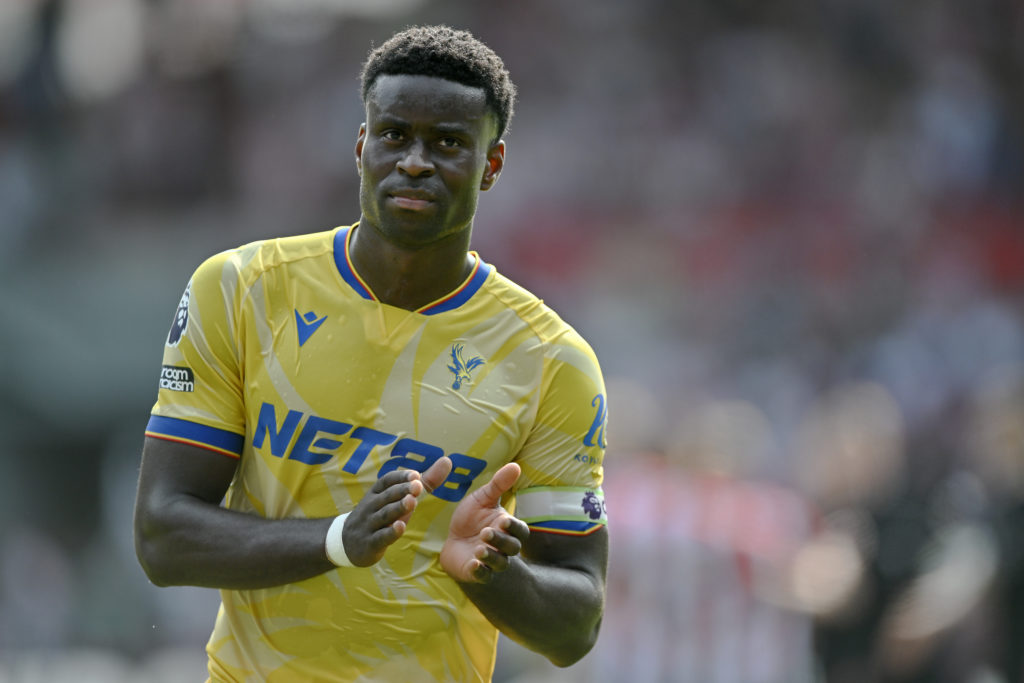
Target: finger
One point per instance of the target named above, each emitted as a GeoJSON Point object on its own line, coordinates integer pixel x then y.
{"type": "Point", "coordinates": [490, 493]}
{"type": "Point", "coordinates": [480, 572]}
{"type": "Point", "coordinates": [495, 561]}
{"type": "Point", "coordinates": [394, 478]}
{"type": "Point", "coordinates": [392, 494]}
{"type": "Point", "coordinates": [408, 505]}
{"type": "Point", "coordinates": [382, 538]}
{"type": "Point", "coordinates": [398, 510]}
{"type": "Point", "coordinates": [436, 473]}
{"type": "Point", "coordinates": [366, 547]}
{"type": "Point", "coordinates": [515, 527]}
{"type": "Point", "coordinates": [472, 570]}
{"type": "Point", "coordinates": [504, 543]}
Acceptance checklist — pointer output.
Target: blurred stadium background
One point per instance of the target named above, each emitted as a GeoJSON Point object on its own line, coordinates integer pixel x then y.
{"type": "Point", "coordinates": [794, 233]}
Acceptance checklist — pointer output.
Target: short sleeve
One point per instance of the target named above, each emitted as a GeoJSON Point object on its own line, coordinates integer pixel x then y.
{"type": "Point", "coordinates": [200, 399]}
{"type": "Point", "coordinates": [562, 460]}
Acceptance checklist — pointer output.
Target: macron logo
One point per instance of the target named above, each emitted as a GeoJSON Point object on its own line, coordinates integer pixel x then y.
{"type": "Point", "coordinates": [307, 324]}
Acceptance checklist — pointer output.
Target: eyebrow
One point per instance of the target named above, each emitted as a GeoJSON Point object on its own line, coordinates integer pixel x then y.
{"type": "Point", "coordinates": [387, 119]}
{"type": "Point", "coordinates": [440, 127]}
{"type": "Point", "coordinates": [445, 127]}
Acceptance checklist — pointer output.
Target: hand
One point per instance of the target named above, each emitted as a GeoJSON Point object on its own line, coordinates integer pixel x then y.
{"type": "Point", "coordinates": [482, 536]}
{"type": "Point", "coordinates": [379, 519]}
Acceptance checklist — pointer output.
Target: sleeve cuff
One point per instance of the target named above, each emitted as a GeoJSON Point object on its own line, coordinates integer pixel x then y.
{"type": "Point", "coordinates": [195, 434]}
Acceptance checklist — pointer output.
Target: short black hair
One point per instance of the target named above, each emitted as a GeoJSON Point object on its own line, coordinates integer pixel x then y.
{"type": "Point", "coordinates": [448, 53]}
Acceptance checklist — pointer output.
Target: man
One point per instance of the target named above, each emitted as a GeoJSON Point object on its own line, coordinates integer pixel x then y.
{"type": "Point", "coordinates": [375, 402]}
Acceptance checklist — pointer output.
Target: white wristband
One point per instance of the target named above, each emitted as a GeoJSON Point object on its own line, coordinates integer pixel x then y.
{"type": "Point", "coordinates": [334, 544]}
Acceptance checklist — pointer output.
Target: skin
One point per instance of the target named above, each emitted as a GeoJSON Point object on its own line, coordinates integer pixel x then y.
{"type": "Point", "coordinates": [427, 149]}
{"type": "Point", "coordinates": [183, 537]}
{"type": "Point", "coordinates": [545, 591]}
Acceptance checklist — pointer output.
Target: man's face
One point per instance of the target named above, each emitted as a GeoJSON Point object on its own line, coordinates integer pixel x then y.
{"type": "Point", "coordinates": [424, 154]}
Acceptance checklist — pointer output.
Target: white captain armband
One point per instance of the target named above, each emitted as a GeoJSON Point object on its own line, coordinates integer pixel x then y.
{"type": "Point", "coordinates": [571, 510]}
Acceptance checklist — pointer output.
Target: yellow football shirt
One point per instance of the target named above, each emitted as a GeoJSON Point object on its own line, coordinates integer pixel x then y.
{"type": "Point", "coordinates": [282, 357]}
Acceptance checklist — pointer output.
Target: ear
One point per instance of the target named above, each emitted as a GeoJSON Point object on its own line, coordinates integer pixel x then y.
{"type": "Point", "coordinates": [359, 148]}
{"type": "Point", "coordinates": [495, 162]}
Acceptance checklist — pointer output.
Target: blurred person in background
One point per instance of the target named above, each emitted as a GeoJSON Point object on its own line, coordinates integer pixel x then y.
{"type": "Point", "coordinates": [695, 597]}
{"type": "Point", "coordinates": [349, 391]}
{"type": "Point", "coordinates": [903, 573]}
{"type": "Point", "coordinates": [993, 472]}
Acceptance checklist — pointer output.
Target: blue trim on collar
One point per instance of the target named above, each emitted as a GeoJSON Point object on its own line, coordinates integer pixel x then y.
{"type": "Point", "coordinates": [341, 260]}
{"type": "Point", "coordinates": [464, 294]}
{"type": "Point", "coordinates": [347, 271]}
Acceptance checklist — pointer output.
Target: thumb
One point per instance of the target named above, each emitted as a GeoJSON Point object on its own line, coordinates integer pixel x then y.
{"type": "Point", "coordinates": [435, 475]}
{"type": "Point", "coordinates": [489, 495]}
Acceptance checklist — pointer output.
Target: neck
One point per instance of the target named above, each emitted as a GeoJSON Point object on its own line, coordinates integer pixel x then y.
{"type": "Point", "coordinates": [410, 277]}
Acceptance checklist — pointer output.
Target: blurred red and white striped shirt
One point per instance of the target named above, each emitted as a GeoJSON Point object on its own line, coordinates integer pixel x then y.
{"type": "Point", "coordinates": [694, 558]}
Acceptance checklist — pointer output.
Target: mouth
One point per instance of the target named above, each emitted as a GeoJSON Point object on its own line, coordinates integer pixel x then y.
{"type": "Point", "coordinates": [412, 200]}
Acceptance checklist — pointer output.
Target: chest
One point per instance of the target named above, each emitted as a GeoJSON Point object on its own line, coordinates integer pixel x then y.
{"type": "Point", "coordinates": [357, 390]}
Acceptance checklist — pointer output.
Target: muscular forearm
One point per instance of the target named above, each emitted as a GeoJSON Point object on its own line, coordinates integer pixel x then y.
{"type": "Point", "coordinates": [184, 537]}
{"type": "Point", "coordinates": [191, 542]}
{"type": "Point", "coordinates": [543, 590]}
{"type": "Point", "coordinates": [555, 611]}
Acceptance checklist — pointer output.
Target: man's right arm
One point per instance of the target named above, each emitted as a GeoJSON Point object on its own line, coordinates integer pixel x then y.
{"type": "Point", "coordinates": [184, 537]}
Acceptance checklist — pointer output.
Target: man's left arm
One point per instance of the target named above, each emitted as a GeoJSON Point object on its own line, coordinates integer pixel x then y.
{"type": "Point", "coordinates": [543, 590]}
{"type": "Point", "coordinates": [539, 576]}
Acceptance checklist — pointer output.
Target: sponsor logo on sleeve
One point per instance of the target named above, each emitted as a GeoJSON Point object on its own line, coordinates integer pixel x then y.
{"type": "Point", "coordinates": [180, 323]}
{"type": "Point", "coordinates": [177, 378]}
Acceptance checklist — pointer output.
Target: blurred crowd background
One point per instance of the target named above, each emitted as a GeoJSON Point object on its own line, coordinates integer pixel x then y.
{"type": "Point", "coordinates": [793, 232]}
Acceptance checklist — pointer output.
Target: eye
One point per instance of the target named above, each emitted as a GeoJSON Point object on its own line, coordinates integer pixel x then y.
{"type": "Point", "coordinates": [391, 135]}
{"type": "Point", "coordinates": [449, 142]}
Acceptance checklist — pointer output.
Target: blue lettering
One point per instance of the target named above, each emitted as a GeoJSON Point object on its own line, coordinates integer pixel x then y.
{"type": "Point", "coordinates": [464, 470]}
{"type": "Point", "coordinates": [369, 438]}
{"type": "Point", "coordinates": [595, 437]}
{"type": "Point", "coordinates": [266, 424]}
{"type": "Point", "coordinates": [411, 454]}
{"type": "Point", "coordinates": [320, 438]}
{"type": "Point", "coordinates": [308, 439]}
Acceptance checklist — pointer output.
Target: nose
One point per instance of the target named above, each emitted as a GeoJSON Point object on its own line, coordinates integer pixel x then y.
{"type": "Point", "coordinates": [416, 161]}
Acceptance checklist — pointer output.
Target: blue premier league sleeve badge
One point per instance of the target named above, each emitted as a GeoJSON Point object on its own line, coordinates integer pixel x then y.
{"type": "Point", "coordinates": [180, 323]}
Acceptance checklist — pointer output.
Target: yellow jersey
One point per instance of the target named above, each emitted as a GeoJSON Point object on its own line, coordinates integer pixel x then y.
{"type": "Point", "coordinates": [281, 356]}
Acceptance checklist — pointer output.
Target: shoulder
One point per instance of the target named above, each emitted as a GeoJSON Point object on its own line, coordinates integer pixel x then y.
{"type": "Point", "coordinates": [560, 338]}
{"type": "Point", "coordinates": [243, 265]}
